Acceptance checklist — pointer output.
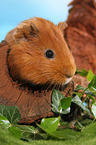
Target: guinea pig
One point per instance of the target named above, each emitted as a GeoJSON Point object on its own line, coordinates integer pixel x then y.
{"type": "Point", "coordinates": [39, 54]}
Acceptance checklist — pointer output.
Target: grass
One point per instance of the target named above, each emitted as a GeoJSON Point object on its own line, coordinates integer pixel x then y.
{"type": "Point", "coordinates": [72, 137]}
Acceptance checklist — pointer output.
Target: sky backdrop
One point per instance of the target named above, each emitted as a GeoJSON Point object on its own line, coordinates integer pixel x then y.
{"type": "Point", "coordinates": [12, 12]}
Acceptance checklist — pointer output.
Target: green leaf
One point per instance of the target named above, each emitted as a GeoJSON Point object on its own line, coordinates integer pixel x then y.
{"type": "Point", "coordinates": [55, 109]}
{"type": "Point", "coordinates": [92, 84]}
{"type": "Point", "coordinates": [4, 121]}
{"type": "Point", "coordinates": [77, 70]}
{"type": "Point", "coordinates": [88, 92]}
{"type": "Point", "coordinates": [90, 75]}
{"type": "Point", "coordinates": [79, 87]}
{"type": "Point", "coordinates": [93, 90]}
{"type": "Point", "coordinates": [14, 131]}
{"type": "Point", "coordinates": [57, 134]}
{"type": "Point", "coordinates": [77, 101]}
{"type": "Point", "coordinates": [56, 97]}
{"type": "Point", "coordinates": [82, 72]}
{"type": "Point", "coordinates": [65, 103]}
{"type": "Point", "coordinates": [11, 113]}
{"type": "Point", "coordinates": [30, 136]}
{"type": "Point", "coordinates": [49, 124]}
{"type": "Point", "coordinates": [64, 111]}
{"type": "Point", "coordinates": [27, 128]}
{"type": "Point", "coordinates": [60, 103]}
{"type": "Point", "coordinates": [30, 133]}
{"type": "Point", "coordinates": [94, 110]}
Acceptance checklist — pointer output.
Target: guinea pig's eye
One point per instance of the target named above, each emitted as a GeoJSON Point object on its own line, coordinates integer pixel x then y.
{"type": "Point", "coordinates": [49, 54]}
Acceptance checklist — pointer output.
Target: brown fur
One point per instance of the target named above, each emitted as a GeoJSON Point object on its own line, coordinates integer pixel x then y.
{"type": "Point", "coordinates": [28, 43]}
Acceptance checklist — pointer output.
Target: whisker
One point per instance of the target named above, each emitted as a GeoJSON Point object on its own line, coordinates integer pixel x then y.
{"type": "Point", "coordinates": [40, 75]}
{"type": "Point", "coordinates": [49, 87]}
{"type": "Point", "coordinates": [53, 87]}
{"type": "Point", "coordinates": [58, 86]}
{"type": "Point", "coordinates": [44, 87]}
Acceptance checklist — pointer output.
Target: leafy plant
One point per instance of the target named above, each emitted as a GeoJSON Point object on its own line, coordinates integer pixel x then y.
{"type": "Point", "coordinates": [49, 126]}
{"type": "Point", "coordinates": [90, 93]}
{"type": "Point", "coordinates": [8, 117]}
{"type": "Point", "coordinates": [83, 97]}
{"type": "Point", "coordinates": [82, 72]}
{"type": "Point", "coordinates": [60, 104]}
{"type": "Point", "coordinates": [11, 113]}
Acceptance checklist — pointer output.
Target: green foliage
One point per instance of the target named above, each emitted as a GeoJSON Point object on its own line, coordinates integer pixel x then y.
{"type": "Point", "coordinates": [14, 131]}
{"type": "Point", "coordinates": [94, 110]}
{"type": "Point", "coordinates": [82, 72]}
{"type": "Point", "coordinates": [30, 133]}
{"type": "Point", "coordinates": [50, 124]}
{"type": "Point", "coordinates": [50, 127]}
{"type": "Point", "coordinates": [8, 117]}
{"type": "Point", "coordinates": [60, 104]}
{"type": "Point", "coordinates": [65, 103]}
{"type": "Point", "coordinates": [90, 75]}
{"type": "Point", "coordinates": [92, 84]}
{"type": "Point", "coordinates": [57, 96]}
{"type": "Point", "coordinates": [90, 92]}
{"type": "Point", "coordinates": [78, 101]}
{"type": "Point", "coordinates": [11, 113]}
{"type": "Point", "coordinates": [4, 121]}
{"type": "Point", "coordinates": [71, 137]}
{"type": "Point", "coordinates": [79, 87]}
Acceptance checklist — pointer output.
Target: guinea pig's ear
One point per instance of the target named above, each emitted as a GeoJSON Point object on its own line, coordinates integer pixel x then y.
{"type": "Point", "coordinates": [62, 26]}
{"type": "Point", "coordinates": [26, 32]}
{"type": "Point", "coordinates": [30, 30]}
{"type": "Point", "coordinates": [34, 28]}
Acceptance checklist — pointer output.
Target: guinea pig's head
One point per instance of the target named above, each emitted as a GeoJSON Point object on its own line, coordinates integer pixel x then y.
{"type": "Point", "coordinates": [39, 54]}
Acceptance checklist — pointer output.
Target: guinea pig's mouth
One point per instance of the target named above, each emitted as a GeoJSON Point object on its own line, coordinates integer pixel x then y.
{"type": "Point", "coordinates": [31, 87]}
{"type": "Point", "coordinates": [38, 87]}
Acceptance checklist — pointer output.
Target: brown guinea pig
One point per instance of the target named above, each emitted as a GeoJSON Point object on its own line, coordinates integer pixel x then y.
{"type": "Point", "coordinates": [39, 54]}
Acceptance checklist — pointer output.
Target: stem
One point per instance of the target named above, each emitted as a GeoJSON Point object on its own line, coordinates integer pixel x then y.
{"type": "Point", "coordinates": [80, 125]}
{"type": "Point", "coordinates": [85, 99]}
{"type": "Point", "coordinates": [84, 91]}
{"type": "Point", "coordinates": [93, 120]}
{"type": "Point", "coordinates": [76, 93]}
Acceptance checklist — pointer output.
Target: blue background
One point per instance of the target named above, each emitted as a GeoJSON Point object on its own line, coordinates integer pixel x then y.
{"type": "Point", "coordinates": [12, 12]}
